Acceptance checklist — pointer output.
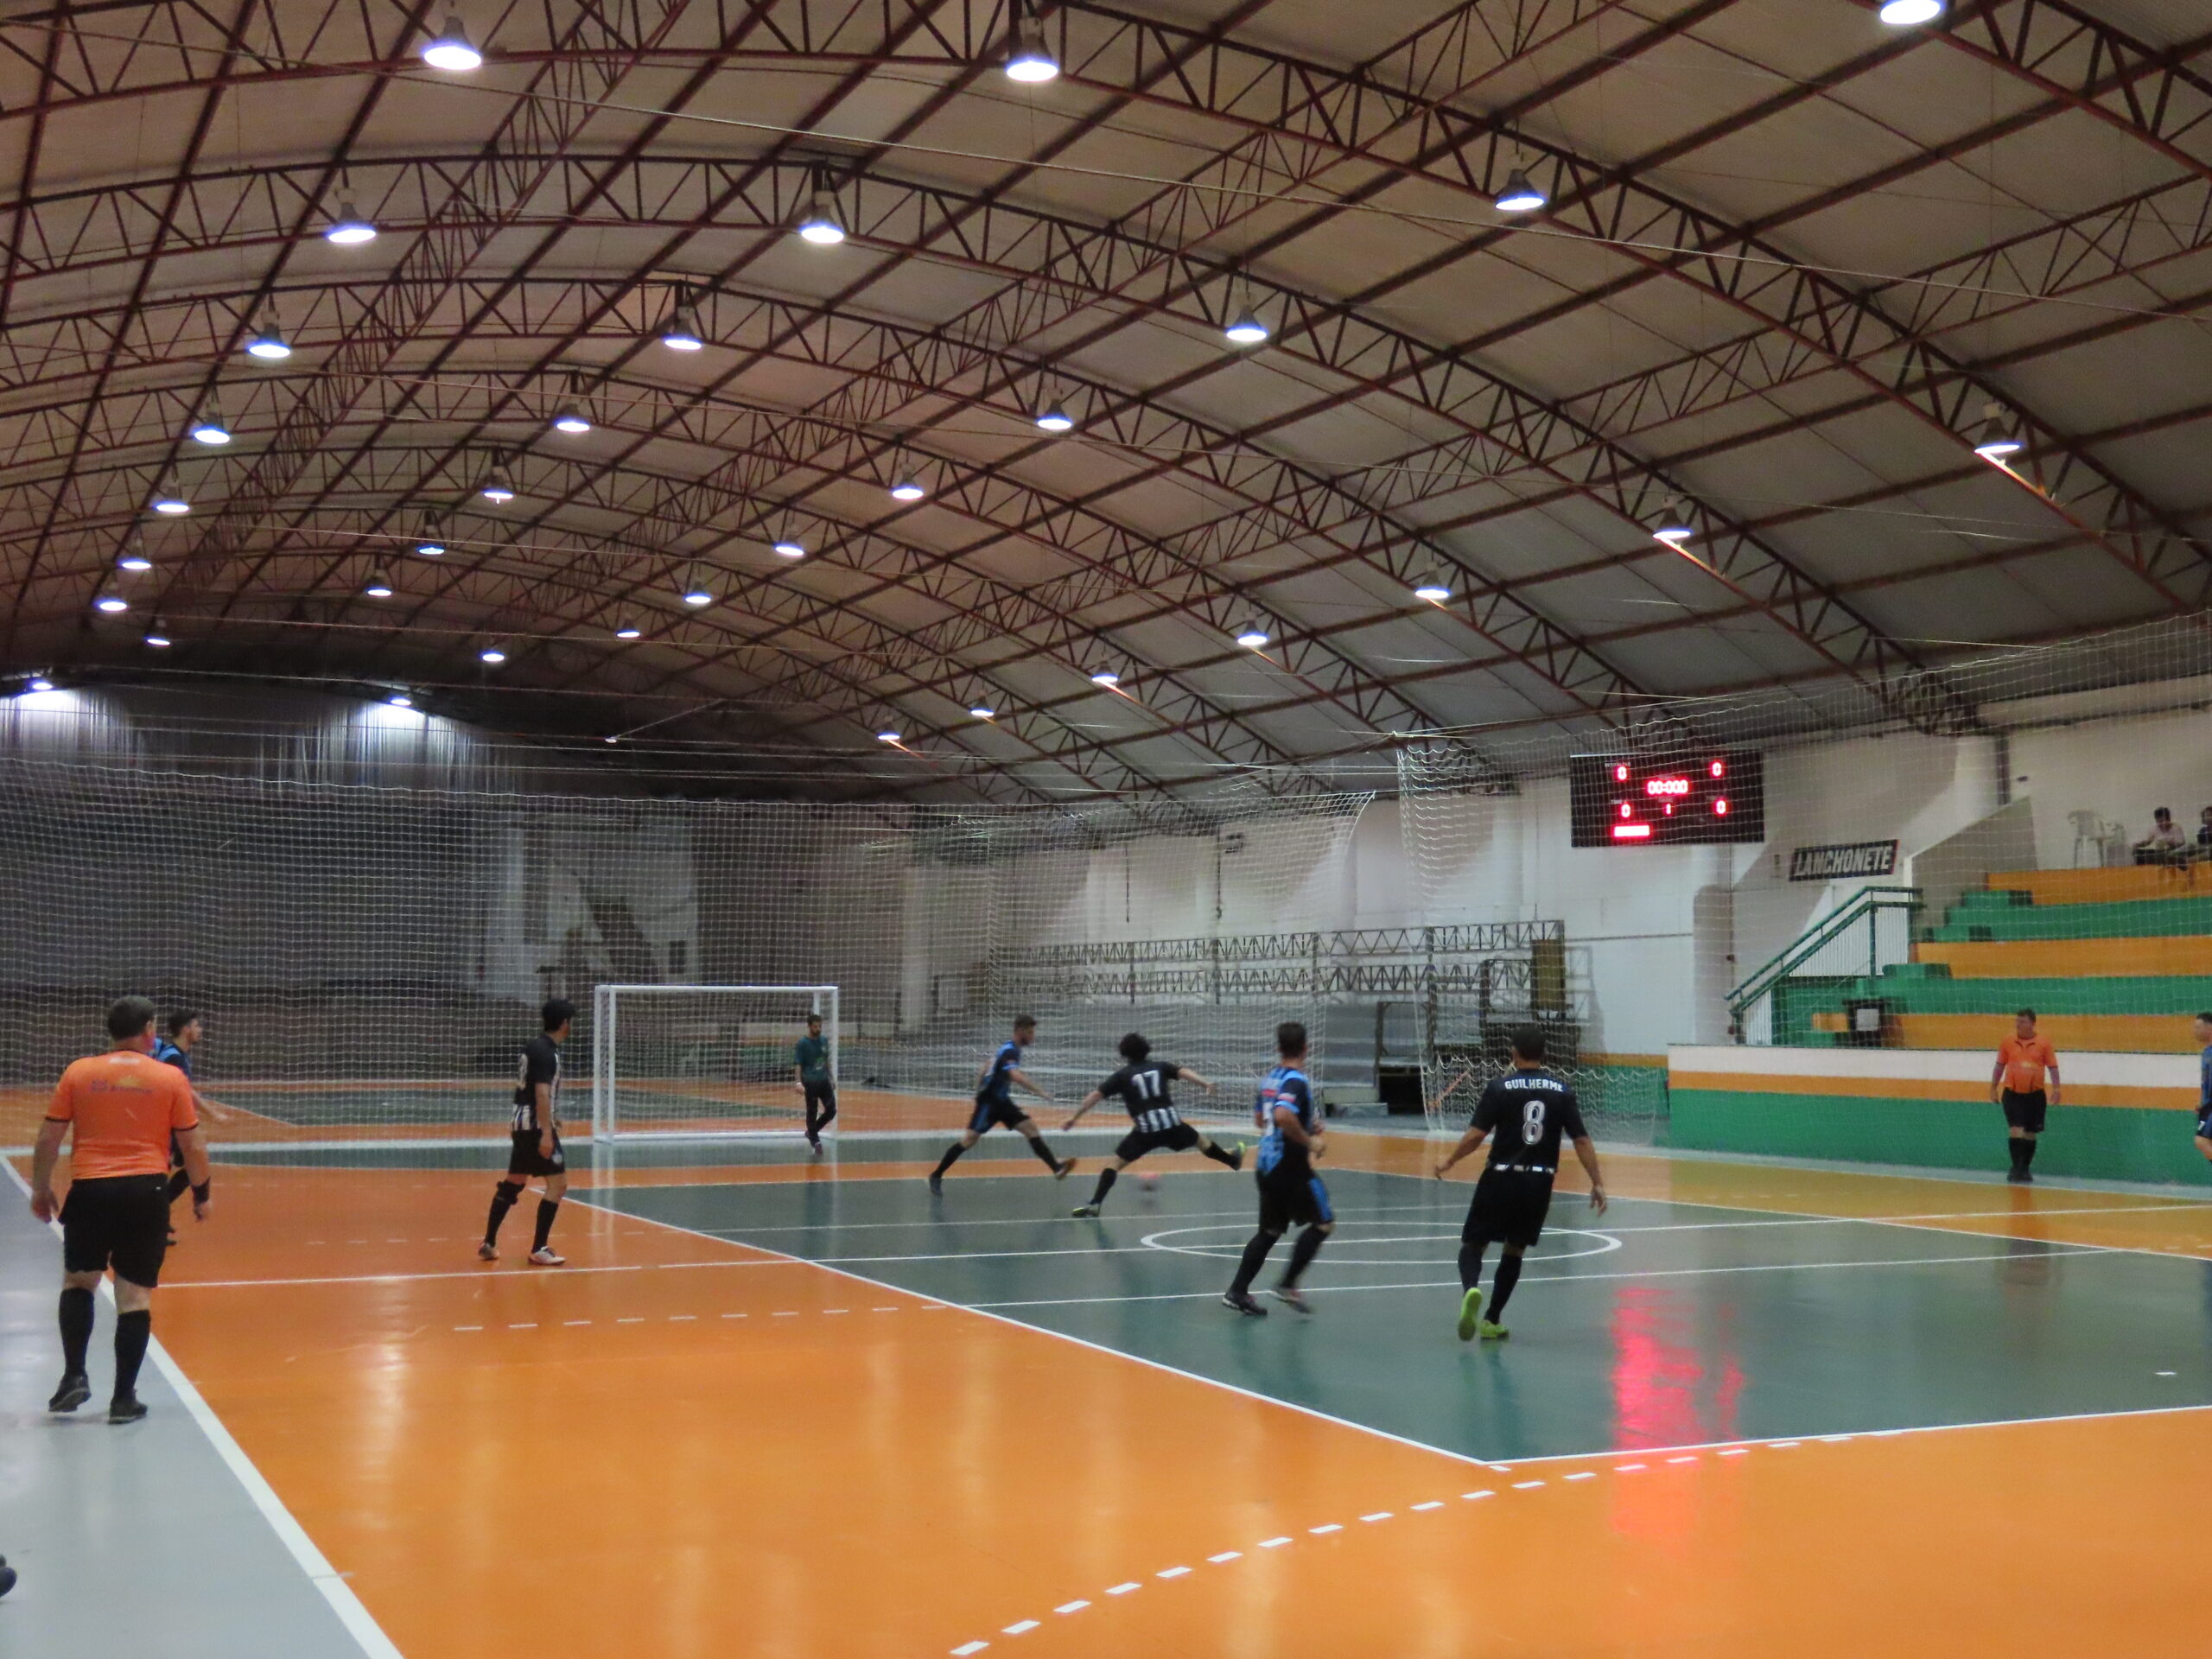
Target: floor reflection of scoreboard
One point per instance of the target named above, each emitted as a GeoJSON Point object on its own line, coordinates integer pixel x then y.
{"type": "Point", "coordinates": [1644, 801]}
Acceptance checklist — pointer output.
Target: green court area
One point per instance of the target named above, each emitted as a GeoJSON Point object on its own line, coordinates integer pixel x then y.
{"type": "Point", "coordinates": [1663, 1323]}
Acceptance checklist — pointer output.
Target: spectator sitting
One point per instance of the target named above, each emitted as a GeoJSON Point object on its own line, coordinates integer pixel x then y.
{"type": "Point", "coordinates": [2203, 834]}
{"type": "Point", "coordinates": [2165, 844]}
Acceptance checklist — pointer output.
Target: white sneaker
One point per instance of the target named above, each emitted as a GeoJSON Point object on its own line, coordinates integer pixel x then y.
{"type": "Point", "coordinates": [546, 1258]}
{"type": "Point", "coordinates": [487, 1253]}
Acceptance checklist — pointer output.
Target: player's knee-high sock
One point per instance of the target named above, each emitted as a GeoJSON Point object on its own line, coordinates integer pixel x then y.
{"type": "Point", "coordinates": [1471, 1266]}
{"type": "Point", "coordinates": [1509, 1274]}
{"type": "Point", "coordinates": [1044, 1154]}
{"type": "Point", "coordinates": [2017, 1150]}
{"type": "Point", "coordinates": [2027, 1145]}
{"type": "Point", "coordinates": [1219, 1153]}
{"type": "Point", "coordinates": [76, 1330]}
{"type": "Point", "coordinates": [951, 1157]}
{"type": "Point", "coordinates": [1302, 1254]}
{"type": "Point", "coordinates": [1105, 1184]}
{"type": "Point", "coordinates": [503, 1199]}
{"type": "Point", "coordinates": [132, 1331]}
{"type": "Point", "coordinates": [178, 1181]}
{"type": "Point", "coordinates": [546, 1209]}
{"type": "Point", "coordinates": [1255, 1256]}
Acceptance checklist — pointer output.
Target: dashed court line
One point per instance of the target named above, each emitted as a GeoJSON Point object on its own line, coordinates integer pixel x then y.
{"type": "Point", "coordinates": [1328, 1528]}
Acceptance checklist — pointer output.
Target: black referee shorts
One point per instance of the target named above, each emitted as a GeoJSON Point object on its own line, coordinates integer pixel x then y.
{"type": "Point", "coordinates": [120, 1222]}
{"type": "Point", "coordinates": [1510, 1207]}
{"type": "Point", "coordinates": [1179, 1137]}
{"type": "Point", "coordinates": [2025, 1112]}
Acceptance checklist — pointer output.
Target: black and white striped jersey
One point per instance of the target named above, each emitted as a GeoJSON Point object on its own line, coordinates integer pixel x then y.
{"type": "Point", "coordinates": [1142, 1088]}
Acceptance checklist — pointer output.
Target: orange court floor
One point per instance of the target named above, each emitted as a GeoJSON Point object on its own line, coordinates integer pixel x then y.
{"type": "Point", "coordinates": [804, 1411]}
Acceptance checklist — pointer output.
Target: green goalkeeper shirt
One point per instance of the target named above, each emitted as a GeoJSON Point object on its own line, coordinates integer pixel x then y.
{"type": "Point", "coordinates": [812, 1057]}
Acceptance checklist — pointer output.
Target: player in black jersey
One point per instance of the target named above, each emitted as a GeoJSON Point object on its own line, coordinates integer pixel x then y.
{"type": "Point", "coordinates": [995, 1087]}
{"type": "Point", "coordinates": [536, 1139]}
{"type": "Point", "coordinates": [1155, 1125]}
{"type": "Point", "coordinates": [1529, 1108]}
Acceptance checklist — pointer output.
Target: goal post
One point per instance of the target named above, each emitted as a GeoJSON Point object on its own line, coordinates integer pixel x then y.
{"type": "Point", "coordinates": [703, 1060]}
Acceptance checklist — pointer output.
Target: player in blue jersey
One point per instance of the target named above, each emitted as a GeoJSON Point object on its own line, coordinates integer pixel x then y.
{"type": "Point", "coordinates": [995, 1087]}
{"type": "Point", "coordinates": [185, 1029]}
{"type": "Point", "coordinates": [1290, 1194]}
{"type": "Point", "coordinates": [2204, 1085]}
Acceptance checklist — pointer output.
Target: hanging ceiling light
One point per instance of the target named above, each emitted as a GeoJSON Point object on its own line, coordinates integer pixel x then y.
{"type": "Point", "coordinates": [1107, 677]}
{"type": "Point", "coordinates": [157, 637]}
{"type": "Point", "coordinates": [267, 342]}
{"type": "Point", "coordinates": [496, 487]}
{"type": "Point", "coordinates": [492, 655]}
{"type": "Point", "coordinates": [1246, 330]}
{"type": "Point", "coordinates": [1519, 196]}
{"type": "Point", "coordinates": [209, 428]}
{"type": "Point", "coordinates": [452, 50]}
{"type": "Point", "coordinates": [1433, 588]}
{"type": "Point", "coordinates": [134, 557]}
{"type": "Point", "coordinates": [349, 229]}
{"type": "Point", "coordinates": [821, 223]}
{"type": "Point", "coordinates": [886, 735]}
{"type": "Point", "coordinates": [790, 547]}
{"type": "Point", "coordinates": [169, 499]}
{"type": "Point", "coordinates": [400, 700]}
{"type": "Point", "coordinates": [378, 586]}
{"type": "Point", "coordinates": [1056, 419]}
{"type": "Point", "coordinates": [698, 593]}
{"type": "Point", "coordinates": [571, 421]}
{"type": "Point", "coordinates": [1674, 527]}
{"type": "Point", "coordinates": [1904, 14]}
{"type": "Point", "coordinates": [984, 711]}
{"type": "Point", "coordinates": [1028, 59]}
{"type": "Point", "coordinates": [907, 490]}
{"type": "Point", "coordinates": [111, 603]}
{"type": "Point", "coordinates": [40, 682]}
{"type": "Point", "coordinates": [1999, 438]}
{"type": "Point", "coordinates": [1252, 636]}
{"type": "Point", "coordinates": [628, 631]}
{"type": "Point", "coordinates": [681, 334]}
{"type": "Point", "coordinates": [429, 544]}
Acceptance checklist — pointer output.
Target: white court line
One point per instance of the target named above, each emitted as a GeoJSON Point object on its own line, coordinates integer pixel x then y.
{"type": "Point", "coordinates": [941, 1223]}
{"type": "Point", "coordinates": [486, 1273]}
{"type": "Point", "coordinates": [985, 1313]}
{"type": "Point", "coordinates": [327, 1580]}
{"type": "Point", "coordinates": [1572, 1278]}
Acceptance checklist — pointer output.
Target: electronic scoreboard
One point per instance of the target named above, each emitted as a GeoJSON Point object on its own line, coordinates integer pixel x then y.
{"type": "Point", "coordinates": [1657, 801]}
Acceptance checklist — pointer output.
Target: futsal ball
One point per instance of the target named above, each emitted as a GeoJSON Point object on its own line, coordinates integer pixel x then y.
{"type": "Point", "coordinates": [1150, 1182]}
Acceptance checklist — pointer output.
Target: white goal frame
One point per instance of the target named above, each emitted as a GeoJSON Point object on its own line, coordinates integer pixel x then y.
{"type": "Point", "coordinates": [605, 1003]}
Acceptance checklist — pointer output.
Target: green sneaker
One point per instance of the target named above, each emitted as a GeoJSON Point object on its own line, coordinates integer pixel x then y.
{"type": "Point", "coordinates": [1491, 1331]}
{"type": "Point", "coordinates": [1471, 1312]}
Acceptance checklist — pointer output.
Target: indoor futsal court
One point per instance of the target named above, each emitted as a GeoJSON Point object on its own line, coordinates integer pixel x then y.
{"type": "Point", "coordinates": [1078, 829]}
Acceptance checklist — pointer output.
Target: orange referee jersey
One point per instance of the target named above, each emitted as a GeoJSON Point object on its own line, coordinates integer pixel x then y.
{"type": "Point", "coordinates": [123, 1104]}
{"type": "Point", "coordinates": [2024, 1062]}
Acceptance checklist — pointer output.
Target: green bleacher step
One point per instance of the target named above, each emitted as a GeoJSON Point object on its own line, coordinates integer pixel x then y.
{"type": "Point", "coordinates": [2123, 919]}
{"type": "Point", "coordinates": [1996, 899]}
{"type": "Point", "coordinates": [1898, 970]}
{"type": "Point", "coordinates": [1911, 993]}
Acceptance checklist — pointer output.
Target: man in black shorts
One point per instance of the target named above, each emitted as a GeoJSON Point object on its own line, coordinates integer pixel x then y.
{"type": "Point", "coordinates": [995, 1087]}
{"type": "Point", "coordinates": [1290, 1194]}
{"type": "Point", "coordinates": [537, 1140]}
{"type": "Point", "coordinates": [1154, 1124]}
{"type": "Point", "coordinates": [1531, 1108]}
{"type": "Point", "coordinates": [122, 1108]}
{"type": "Point", "coordinates": [810, 1075]}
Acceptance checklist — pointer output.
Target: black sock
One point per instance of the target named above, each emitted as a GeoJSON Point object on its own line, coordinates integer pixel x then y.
{"type": "Point", "coordinates": [503, 1199]}
{"type": "Point", "coordinates": [2027, 1150]}
{"type": "Point", "coordinates": [1219, 1153]}
{"type": "Point", "coordinates": [1044, 1154]}
{"type": "Point", "coordinates": [1509, 1274]}
{"type": "Point", "coordinates": [178, 1182]}
{"type": "Point", "coordinates": [951, 1157]}
{"type": "Point", "coordinates": [1471, 1266]}
{"type": "Point", "coordinates": [2017, 1149]}
{"type": "Point", "coordinates": [1105, 1184]}
{"type": "Point", "coordinates": [132, 1331]}
{"type": "Point", "coordinates": [76, 1330]}
{"type": "Point", "coordinates": [1255, 1256]}
{"type": "Point", "coordinates": [546, 1209]}
{"type": "Point", "coordinates": [1302, 1254]}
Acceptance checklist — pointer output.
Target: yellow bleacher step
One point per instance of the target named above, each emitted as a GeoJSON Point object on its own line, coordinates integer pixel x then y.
{"type": "Point", "coordinates": [2105, 1034]}
{"type": "Point", "coordinates": [2150, 956]}
{"type": "Point", "coordinates": [2104, 886]}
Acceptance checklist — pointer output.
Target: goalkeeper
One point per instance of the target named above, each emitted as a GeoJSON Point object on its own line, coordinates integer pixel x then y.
{"type": "Point", "coordinates": [811, 1076]}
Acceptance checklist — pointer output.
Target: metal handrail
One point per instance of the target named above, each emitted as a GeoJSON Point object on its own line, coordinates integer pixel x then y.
{"type": "Point", "coordinates": [1863, 905]}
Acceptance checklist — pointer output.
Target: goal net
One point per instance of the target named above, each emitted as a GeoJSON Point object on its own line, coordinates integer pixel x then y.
{"type": "Point", "coordinates": [704, 1059]}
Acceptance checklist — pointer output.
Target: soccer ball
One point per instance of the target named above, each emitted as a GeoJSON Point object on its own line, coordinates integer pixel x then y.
{"type": "Point", "coordinates": [1148, 1181]}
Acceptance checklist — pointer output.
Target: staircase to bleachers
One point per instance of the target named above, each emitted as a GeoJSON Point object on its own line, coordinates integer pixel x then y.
{"type": "Point", "coordinates": [2111, 960]}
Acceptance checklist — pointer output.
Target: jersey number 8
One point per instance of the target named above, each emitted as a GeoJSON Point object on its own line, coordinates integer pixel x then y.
{"type": "Point", "coordinates": [1532, 1122]}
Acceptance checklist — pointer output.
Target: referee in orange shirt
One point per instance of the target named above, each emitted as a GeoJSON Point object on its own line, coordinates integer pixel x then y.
{"type": "Point", "coordinates": [2015, 1083]}
{"type": "Point", "coordinates": [124, 1106]}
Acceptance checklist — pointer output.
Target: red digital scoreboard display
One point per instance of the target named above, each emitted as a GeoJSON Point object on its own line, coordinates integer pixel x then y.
{"type": "Point", "coordinates": [1657, 801]}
